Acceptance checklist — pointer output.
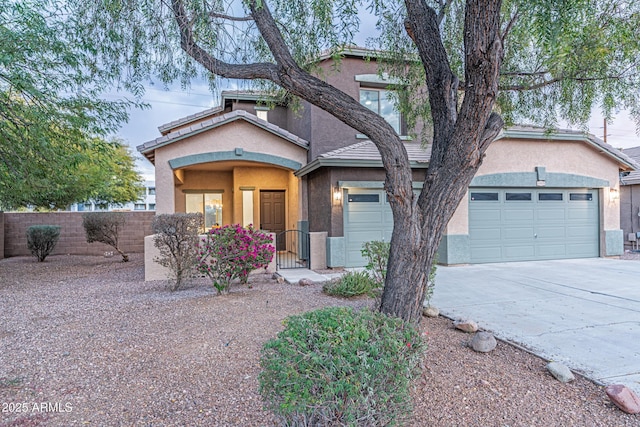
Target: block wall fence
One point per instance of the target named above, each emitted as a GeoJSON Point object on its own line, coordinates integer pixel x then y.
{"type": "Point", "coordinates": [13, 233]}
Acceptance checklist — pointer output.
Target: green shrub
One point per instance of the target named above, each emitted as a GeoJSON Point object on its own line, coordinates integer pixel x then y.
{"type": "Point", "coordinates": [377, 254]}
{"type": "Point", "coordinates": [339, 366]}
{"type": "Point", "coordinates": [351, 284]}
{"type": "Point", "coordinates": [176, 237]}
{"type": "Point", "coordinates": [41, 239]}
{"type": "Point", "coordinates": [104, 227]}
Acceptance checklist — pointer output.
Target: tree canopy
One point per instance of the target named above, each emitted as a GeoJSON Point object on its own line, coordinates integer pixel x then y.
{"type": "Point", "coordinates": [52, 118]}
{"type": "Point", "coordinates": [467, 66]}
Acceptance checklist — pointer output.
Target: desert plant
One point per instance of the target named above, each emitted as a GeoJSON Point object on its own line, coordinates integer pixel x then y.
{"type": "Point", "coordinates": [377, 254]}
{"type": "Point", "coordinates": [104, 227]}
{"type": "Point", "coordinates": [41, 239]}
{"type": "Point", "coordinates": [232, 252]}
{"type": "Point", "coordinates": [352, 283]}
{"type": "Point", "coordinates": [339, 366]}
{"type": "Point", "coordinates": [176, 237]}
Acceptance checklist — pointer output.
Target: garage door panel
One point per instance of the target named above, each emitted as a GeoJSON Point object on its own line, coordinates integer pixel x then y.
{"type": "Point", "coordinates": [550, 225]}
{"type": "Point", "coordinates": [517, 215]}
{"type": "Point", "coordinates": [578, 216]}
{"type": "Point", "coordinates": [513, 233]}
{"type": "Point", "coordinates": [518, 252]}
{"type": "Point", "coordinates": [486, 254]}
{"type": "Point", "coordinates": [487, 234]}
{"type": "Point", "coordinates": [484, 215]}
{"type": "Point", "coordinates": [550, 251]}
{"type": "Point", "coordinates": [552, 214]}
{"type": "Point", "coordinates": [579, 231]}
{"type": "Point", "coordinates": [366, 217]}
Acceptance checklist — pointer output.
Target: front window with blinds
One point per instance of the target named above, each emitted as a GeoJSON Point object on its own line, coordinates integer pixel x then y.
{"type": "Point", "coordinates": [380, 101]}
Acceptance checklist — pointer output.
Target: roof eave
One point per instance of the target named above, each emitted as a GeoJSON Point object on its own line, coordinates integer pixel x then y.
{"type": "Point", "coordinates": [349, 163]}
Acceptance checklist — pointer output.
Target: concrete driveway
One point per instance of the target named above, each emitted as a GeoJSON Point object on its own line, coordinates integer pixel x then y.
{"type": "Point", "coordinates": [584, 313]}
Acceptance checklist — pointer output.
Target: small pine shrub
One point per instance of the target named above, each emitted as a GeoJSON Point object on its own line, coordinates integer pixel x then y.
{"type": "Point", "coordinates": [339, 366]}
{"type": "Point", "coordinates": [104, 227]}
{"type": "Point", "coordinates": [176, 237]}
{"type": "Point", "coordinates": [42, 239]}
{"type": "Point", "coordinates": [352, 283]}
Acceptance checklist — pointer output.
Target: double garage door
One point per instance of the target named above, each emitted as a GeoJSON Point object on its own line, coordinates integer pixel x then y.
{"type": "Point", "coordinates": [506, 224]}
{"type": "Point", "coordinates": [521, 224]}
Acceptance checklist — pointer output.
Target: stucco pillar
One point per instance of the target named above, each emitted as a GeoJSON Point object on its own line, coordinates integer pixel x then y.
{"type": "Point", "coordinates": [318, 250]}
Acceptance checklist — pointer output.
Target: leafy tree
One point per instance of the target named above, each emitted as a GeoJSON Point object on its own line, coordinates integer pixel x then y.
{"type": "Point", "coordinates": [50, 108]}
{"type": "Point", "coordinates": [481, 62]}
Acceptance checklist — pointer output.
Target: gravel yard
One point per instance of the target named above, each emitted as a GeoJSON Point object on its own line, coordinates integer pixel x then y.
{"type": "Point", "coordinates": [85, 341]}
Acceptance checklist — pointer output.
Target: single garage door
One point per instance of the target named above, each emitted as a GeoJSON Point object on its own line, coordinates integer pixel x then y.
{"type": "Point", "coordinates": [522, 224]}
{"type": "Point", "coordinates": [367, 216]}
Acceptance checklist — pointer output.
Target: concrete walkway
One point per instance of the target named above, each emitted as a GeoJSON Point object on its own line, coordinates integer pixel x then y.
{"type": "Point", "coordinates": [584, 313]}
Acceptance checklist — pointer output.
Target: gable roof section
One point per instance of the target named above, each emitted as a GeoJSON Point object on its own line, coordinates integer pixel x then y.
{"type": "Point", "coordinates": [634, 176]}
{"type": "Point", "coordinates": [365, 154]}
{"type": "Point", "coordinates": [148, 148]}
{"type": "Point", "coordinates": [532, 132]}
{"type": "Point", "coordinates": [224, 96]}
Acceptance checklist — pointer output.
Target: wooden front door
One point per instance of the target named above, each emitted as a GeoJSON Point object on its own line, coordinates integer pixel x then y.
{"type": "Point", "coordinates": [272, 213]}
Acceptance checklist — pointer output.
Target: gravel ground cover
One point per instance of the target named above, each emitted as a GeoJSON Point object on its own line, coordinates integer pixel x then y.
{"type": "Point", "coordinates": [85, 341]}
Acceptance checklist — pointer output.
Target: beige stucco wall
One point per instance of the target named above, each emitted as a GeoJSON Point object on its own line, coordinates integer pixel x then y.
{"type": "Point", "coordinates": [569, 157]}
{"type": "Point", "coordinates": [228, 137]}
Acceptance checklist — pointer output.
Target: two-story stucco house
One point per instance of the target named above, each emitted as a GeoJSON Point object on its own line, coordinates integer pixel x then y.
{"type": "Point", "coordinates": [537, 195]}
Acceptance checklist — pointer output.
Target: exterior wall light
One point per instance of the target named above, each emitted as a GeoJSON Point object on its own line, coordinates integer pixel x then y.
{"type": "Point", "coordinates": [337, 195]}
{"type": "Point", "coordinates": [614, 194]}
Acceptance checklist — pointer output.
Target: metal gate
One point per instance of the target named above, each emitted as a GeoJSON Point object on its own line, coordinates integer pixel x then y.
{"type": "Point", "coordinates": [293, 249]}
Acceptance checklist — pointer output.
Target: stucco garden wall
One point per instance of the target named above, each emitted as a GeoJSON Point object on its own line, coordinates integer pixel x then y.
{"type": "Point", "coordinates": [72, 236]}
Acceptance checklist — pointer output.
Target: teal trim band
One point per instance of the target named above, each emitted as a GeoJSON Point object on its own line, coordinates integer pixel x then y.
{"type": "Point", "coordinates": [529, 179]}
{"type": "Point", "coordinates": [220, 156]}
{"type": "Point", "coordinates": [336, 252]}
{"type": "Point", "coordinates": [454, 249]}
{"type": "Point", "coordinates": [614, 242]}
{"type": "Point", "coordinates": [371, 184]}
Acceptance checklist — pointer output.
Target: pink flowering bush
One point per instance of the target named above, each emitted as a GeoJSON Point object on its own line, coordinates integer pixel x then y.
{"type": "Point", "coordinates": [232, 252]}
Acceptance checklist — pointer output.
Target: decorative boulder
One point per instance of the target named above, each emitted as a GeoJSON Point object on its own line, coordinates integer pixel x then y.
{"type": "Point", "coordinates": [483, 342]}
{"type": "Point", "coordinates": [305, 282]}
{"type": "Point", "coordinates": [560, 372]}
{"type": "Point", "coordinates": [430, 311]}
{"type": "Point", "coordinates": [466, 325]}
{"type": "Point", "coordinates": [624, 398]}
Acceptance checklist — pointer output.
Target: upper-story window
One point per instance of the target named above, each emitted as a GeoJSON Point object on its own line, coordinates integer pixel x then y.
{"type": "Point", "coordinates": [380, 101]}
{"type": "Point", "coordinates": [152, 191]}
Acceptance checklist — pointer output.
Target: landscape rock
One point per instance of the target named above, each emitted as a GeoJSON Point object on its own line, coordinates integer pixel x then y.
{"type": "Point", "coordinates": [560, 372]}
{"type": "Point", "coordinates": [483, 342]}
{"type": "Point", "coordinates": [305, 282]}
{"type": "Point", "coordinates": [624, 398]}
{"type": "Point", "coordinates": [430, 311]}
{"type": "Point", "coordinates": [280, 279]}
{"type": "Point", "coordinates": [466, 325]}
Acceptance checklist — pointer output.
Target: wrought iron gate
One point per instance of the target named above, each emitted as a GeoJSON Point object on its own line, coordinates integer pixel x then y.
{"type": "Point", "coordinates": [293, 249]}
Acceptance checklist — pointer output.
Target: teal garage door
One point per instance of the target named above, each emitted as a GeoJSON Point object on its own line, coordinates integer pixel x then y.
{"type": "Point", "coordinates": [523, 224]}
{"type": "Point", "coordinates": [367, 216]}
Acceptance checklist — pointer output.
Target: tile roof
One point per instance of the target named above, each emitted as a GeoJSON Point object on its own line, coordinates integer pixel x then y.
{"type": "Point", "coordinates": [366, 150]}
{"type": "Point", "coordinates": [634, 176]}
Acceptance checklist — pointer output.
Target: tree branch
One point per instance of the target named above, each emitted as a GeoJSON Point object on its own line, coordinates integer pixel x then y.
{"type": "Point", "coordinates": [223, 69]}
{"type": "Point", "coordinates": [230, 17]}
